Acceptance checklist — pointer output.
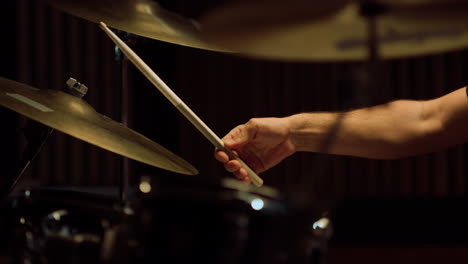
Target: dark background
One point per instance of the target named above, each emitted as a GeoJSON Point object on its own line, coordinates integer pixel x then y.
{"type": "Point", "coordinates": [42, 47]}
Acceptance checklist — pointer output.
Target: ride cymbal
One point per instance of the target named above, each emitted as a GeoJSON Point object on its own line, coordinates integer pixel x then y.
{"type": "Point", "coordinates": [301, 30]}
{"type": "Point", "coordinates": [77, 118]}
{"type": "Point", "coordinates": [141, 17]}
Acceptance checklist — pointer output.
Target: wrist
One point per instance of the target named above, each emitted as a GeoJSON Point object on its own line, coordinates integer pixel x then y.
{"type": "Point", "coordinates": [307, 131]}
{"type": "Point", "coordinates": [295, 127]}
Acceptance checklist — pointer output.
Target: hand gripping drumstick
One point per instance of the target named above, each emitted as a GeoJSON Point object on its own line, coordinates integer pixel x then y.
{"type": "Point", "coordinates": [179, 104]}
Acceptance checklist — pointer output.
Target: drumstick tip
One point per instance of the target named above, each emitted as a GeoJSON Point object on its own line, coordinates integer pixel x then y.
{"type": "Point", "coordinates": [102, 24]}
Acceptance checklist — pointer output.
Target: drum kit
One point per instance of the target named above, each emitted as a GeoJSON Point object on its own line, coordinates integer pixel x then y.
{"type": "Point", "coordinates": [181, 218]}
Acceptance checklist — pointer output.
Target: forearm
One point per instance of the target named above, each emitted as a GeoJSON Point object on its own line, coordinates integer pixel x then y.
{"type": "Point", "coordinates": [392, 130]}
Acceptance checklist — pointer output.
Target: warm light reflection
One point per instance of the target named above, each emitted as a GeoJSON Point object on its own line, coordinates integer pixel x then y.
{"type": "Point", "coordinates": [78, 238]}
{"type": "Point", "coordinates": [144, 8]}
{"type": "Point", "coordinates": [322, 223]}
{"type": "Point", "coordinates": [145, 187]}
{"type": "Point", "coordinates": [348, 14]}
{"type": "Point", "coordinates": [257, 204]}
{"type": "Point", "coordinates": [78, 107]}
{"type": "Point", "coordinates": [128, 211]}
{"type": "Point", "coordinates": [56, 216]}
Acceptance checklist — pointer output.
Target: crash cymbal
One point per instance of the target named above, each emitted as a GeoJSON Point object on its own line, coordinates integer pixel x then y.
{"type": "Point", "coordinates": [301, 30]}
{"type": "Point", "coordinates": [77, 118]}
{"type": "Point", "coordinates": [141, 17]}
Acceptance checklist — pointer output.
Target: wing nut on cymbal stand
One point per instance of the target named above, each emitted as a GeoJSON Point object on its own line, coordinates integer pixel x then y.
{"type": "Point", "coordinates": [75, 88]}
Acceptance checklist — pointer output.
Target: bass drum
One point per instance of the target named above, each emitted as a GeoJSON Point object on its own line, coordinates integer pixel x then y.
{"type": "Point", "coordinates": [69, 225]}
{"type": "Point", "coordinates": [185, 219]}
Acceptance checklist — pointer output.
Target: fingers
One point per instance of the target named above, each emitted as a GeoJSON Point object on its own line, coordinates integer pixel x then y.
{"type": "Point", "coordinates": [229, 165]}
{"type": "Point", "coordinates": [235, 139]}
{"type": "Point", "coordinates": [242, 175]}
{"type": "Point", "coordinates": [221, 156]}
{"type": "Point", "coordinates": [239, 172]}
{"type": "Point", "coordinates": [247, 180]}
{"type": "Point", "coordinates": [232, 166]}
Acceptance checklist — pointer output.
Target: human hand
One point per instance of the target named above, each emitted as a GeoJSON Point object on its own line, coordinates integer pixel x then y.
{"type": "Point", "coordinates": [261, 143]}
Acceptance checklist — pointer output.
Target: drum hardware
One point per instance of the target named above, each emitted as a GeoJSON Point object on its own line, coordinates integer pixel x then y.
{"type": "Point", "coordinates": [57, 225]}
{"type": "Point", "coordinates": [336, 30]}
{"type": "Point", "coordinates": [77, 118]}
{"type": "Point", "coordinates": [36, 135]}
{"type": "Point", "coordinates": [177, 102]}
{"type": "Point", "coordinates": [76, 88]}
{"type": "Point", "coordinates": [184, 218]}
{"type": "Point", "coordinates": [123, 104]}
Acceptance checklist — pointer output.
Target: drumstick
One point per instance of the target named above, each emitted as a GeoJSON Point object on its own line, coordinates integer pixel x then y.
{"type": "Point", "coordinates": [178, 103]}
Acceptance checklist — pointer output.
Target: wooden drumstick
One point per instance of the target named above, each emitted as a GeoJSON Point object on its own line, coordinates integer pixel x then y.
{"type": "Point", "coordinates": [177, 102]}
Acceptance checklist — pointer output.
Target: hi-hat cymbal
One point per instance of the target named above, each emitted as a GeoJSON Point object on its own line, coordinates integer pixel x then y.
{"type": "Point", "coordinates": [141, 17]}
{"type": "Point", "coordinates": [77, 118]}
{"type": "Point", "coordinates": [302, 30]}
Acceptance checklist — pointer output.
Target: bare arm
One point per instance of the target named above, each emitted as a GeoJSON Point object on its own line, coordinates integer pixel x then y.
{"type": "Point", "coordinates": [396, 129]}
{"type": "Point", "coordinates": [393, 130]}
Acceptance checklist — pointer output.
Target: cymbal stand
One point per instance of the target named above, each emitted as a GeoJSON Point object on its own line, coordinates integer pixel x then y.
{"type": "Point", "coordinates": [361, 82]}
{"type": "Point", "coordinates": [36, 135]}
{"type": "Point", "coordinates": [371, 10]}
{"type": "Point", "coordinates": [123, 108]}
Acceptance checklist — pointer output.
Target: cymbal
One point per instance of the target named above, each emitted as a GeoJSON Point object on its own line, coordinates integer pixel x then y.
{"type": "Point", "coordinates": [77, 118]}
{"type": "Point", "coordinates": [301, 30]}
{"type": "Point", "coordinates": [141, 17]}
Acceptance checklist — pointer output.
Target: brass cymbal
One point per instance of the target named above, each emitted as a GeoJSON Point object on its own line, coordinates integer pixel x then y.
{"type": "Point", "coordinates": [141, 17]}
{"type": "Point", "coordinates": [301, 30]}
{"type": "Point", "coordinates": [77, 118]}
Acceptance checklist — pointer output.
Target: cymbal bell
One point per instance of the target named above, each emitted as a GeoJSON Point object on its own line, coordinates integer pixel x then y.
{"type": "Point", "coordinates": [77, 118]}
{"type": "Point", "coordinates": [141, 17]}
{"type": "Point", "coordinates": [300, 30]}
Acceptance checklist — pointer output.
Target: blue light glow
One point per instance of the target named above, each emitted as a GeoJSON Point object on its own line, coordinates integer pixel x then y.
{"type": "Point", "coordinates": [257, 204]}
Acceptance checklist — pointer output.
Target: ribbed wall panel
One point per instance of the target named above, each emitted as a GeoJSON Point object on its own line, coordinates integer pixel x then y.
{"type": "Point", "coordinates": [53, 47]}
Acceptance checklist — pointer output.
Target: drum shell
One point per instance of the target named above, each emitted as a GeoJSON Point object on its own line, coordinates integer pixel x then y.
{"type": "Point", "coordinates": [59, 225]}
{"type": "Point", "coordinates": [174, 223]}
{"type": "Point", "coordinates": [211, 223]}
